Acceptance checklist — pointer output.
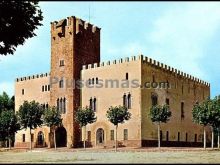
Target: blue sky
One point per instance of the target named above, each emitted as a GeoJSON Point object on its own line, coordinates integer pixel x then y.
{"type": "Point", "coordinates": [184, 35]}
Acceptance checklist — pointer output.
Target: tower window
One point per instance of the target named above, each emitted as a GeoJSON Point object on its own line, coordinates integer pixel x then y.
{"type": "Point", "coordinates": [58, 104]}
{"type": "Point", "coordinates": [126, 76]}
{"type": "Point", "coordinates": [182, 110]}
{"type": "Point", "coordinates": [90, 103]}
{"type": "Point", "coordinates": [167, 101]}
{"type": "Point", "coordinates": [42, 88]}
{"type": "Point", "coordinates": [48, 87]}
{"type": "Point", "coordinates": [61, 84]}
{"type": "Point", "coordinates": [124, 100]}
{"type": "Point", "coordinates": [64, 105]}
{"type": "Point", "coordinates": [22, 91]}
{"type": "Point", "coordinates": [45, 87]}
{"type": "Point", "coordinates": [94, 104]}
{"type": "Point", "coordinates": [97, 80]}
{"type": "Point", "coordinates": [129, 101]}
{"type": "Point", "coordinates": [93, 81]}
{"type": "Point", "coordinates": [61, 62]}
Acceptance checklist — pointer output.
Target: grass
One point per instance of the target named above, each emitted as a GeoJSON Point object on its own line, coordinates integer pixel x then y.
{"type": "Point", "coordinates": [106, 156]}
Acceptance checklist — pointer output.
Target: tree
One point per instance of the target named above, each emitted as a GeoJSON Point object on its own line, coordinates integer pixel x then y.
{"type": "Point", "coordinates": [9, 124]}
{"type": "Point", "coordinates": [30, 116]}
{"type": "Point", "coordinates": [85, 116]}
{"type": "Point", "coordinates": [116, 115]}
{"type": "Point", "coordinates": [52, 118]}
{"type": "Point", "coordinates": [6, 103]}
{"type": "Point", "coordinates": [19, 24]}
{"type": "Point", "coordinates": [201, 115]}
{"type": "Point", "coordinates": [160, 114]}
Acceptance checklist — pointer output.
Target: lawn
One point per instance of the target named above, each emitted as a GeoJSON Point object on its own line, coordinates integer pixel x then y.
{"type": "Point", "coordinates": [109, 156]}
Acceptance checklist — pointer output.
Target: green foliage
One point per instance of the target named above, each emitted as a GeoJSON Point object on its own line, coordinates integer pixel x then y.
{"type": "Point", "coordinates": [160, 113]}
{"type": "Point", "coordinates": [30, 115]}
{"type": "Point", "coordinates": [202, 112]}
{"type": "Point", "coordinates": [118, 114]}
{"type": "Point", "coordinates": [6, 103]}
{"type": "Point", "coordinates": [214, 118]}
{"type": "Point", "coordinates": [8, 124]}
{"type": "Point", "coordinates": [85, 116]}
{"type": "Point", "coordinates": [52, 117]}
{"type": "Point", "coordinates": [18, 21]}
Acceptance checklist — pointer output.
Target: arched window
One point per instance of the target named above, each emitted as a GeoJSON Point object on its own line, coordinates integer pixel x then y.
{"type": "Point", "coordinates": [58, 104]}
{"type": "Point", "coordinates": [61, 105]}
{"type": "Point", "coordinates": [126, 77]}
{"type": "Point", "coordinates": [45, 87]}
{"type": "Point", "coordinates": [154, 99]}
{"type": "Point", "coordinates": [94, 104]}
{"type": "Point", "coordinates": [124, 100]}
{"type": "Point", "coordinates": [61, 84]}
{"type": "Point", "coordinates": [90, 103]}
{"type": "Point", "coordinates": [42, 88]}
{"type": "Point", "coordinates": [97, 80]}
{"type": "Point", "coordinates": [129, 101]}
{"type": "Point", "coordinates": [93, 81]}
{"type": "Point", "coordinates": [64, 105]}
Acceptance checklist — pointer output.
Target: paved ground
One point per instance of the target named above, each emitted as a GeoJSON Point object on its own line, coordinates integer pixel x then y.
{"type": "Point", "coordinates": [124, 155]}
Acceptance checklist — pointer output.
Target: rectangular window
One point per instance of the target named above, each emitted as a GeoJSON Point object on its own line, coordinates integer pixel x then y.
{"type": "Point", "coordinates": [23, 137]}
{"type": "Point", "coordinates": [89, 136]}
{"type": "Point", "coordinates": [48, 87]}
{"type": "Point", "coordinates": [32, 137]}
{"type": "Point", "coordinates": [178, 137]}
{"type": "Point", "coordinates": [112, 134]}
{"type": "Point", "coordinates": [125, 134]}
{"type": "Point", "coordinates": [126, 77]}
{"type": "Point", "coordinates": [22, 92]}
{"type": "Point", "coordinates": [61, 84]}
{"type": "Point", "coordinates": [167, 138]}
{"type": "Point", "coordinates": [43, 88]}
{"type": "Point", "coordinates": [182, 110]}
{"type": "Point", "coordinates": [61, 62]}
{"type": "Point", "coordinates": [195, 139]}
{"type": "Point", "coordinates": [167, 101]}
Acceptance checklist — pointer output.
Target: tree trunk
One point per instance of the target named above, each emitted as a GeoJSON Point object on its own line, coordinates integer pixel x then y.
{"type": "Point", "coordinates": [30, 140]}
{"type": "Point", "coordinates": [212, 137]}
{"type": "Point", "coordinates": [158, 131]}
{"type": "Point", "coordinates": [54, 139]}
{"type": "Point", "coordinates": [218, 138]}
{"type": "Point", "coordinates": [204, 138]}
{"type": "Point", "coordinates": [116, 138]}
{"type": "Point", "coordinates": [84, 143]}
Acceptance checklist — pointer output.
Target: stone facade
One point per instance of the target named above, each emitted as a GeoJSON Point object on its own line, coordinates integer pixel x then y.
{"type": "Point", "coordinates": [75, 55]}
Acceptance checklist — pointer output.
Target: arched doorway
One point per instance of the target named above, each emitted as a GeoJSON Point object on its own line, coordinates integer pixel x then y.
{"type": "Point", "coordinates": [100, 136]}
{"type": "Point", "coordinates": [61, 137]}
{"type": "Point", "coordinates": [40, 139]}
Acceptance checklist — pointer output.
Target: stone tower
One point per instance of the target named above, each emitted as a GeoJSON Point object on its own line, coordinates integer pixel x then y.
{"type": "Point", "coordinates": [73, 43]}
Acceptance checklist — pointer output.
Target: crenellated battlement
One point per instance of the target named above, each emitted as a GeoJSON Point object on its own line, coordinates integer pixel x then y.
{"type": "Point", "coordinates": [32, 77]}
{"type": "Point", "coordinates": [147, 61]}
{"type": "Point", "coordinates": [77, 24]}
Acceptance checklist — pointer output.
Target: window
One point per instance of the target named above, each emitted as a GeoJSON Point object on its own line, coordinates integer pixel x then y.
{"type": "Point", "coordinates": [97, 80]}
{"type": "Point", "coordinates": [167, 101]}
{"type": "Point", "coordinates": [154, 100]}
{"type": "Point", "coordinates": [126, 77]}
{"type": "Point", "coordinates": [45, 87]}
{"type": "Point", "coordinates": [61, 105]}
{"type": "Point", "coordinates": [167, 137]}
{"type": "Point", "coordinates": [23, 137]}
{"type": "Point", "coordinates": [125, 134]}
{"type": "Point", "coordinates": [58, 104]}
{"type": "Point", "coordinates": [48, 87]}
{"type": "Point", "coordinates": [22, 92]}
{"type": "Point", "coordinates": [90, 103]}
{"type": "Point", "coordinates": [182, 110]}
{"type": "Point", "coordinates": [195, 139]}
{"type": "Point", "coordinates": [153, 78]}
{"type": "Point", "coordinates": [89, 81]}
{"type": "Point", "coordinates": [129, 101]}
{"type": "Point", "coordinates": [42, 88]}
{"type": "Point", "coordinates": [178, 137]}
{"type": "Point", "coordinates": [94, 104]}
{"type": "Point", "coordinates": [186, 137]}
{"type": "Point", "coordinates": [32, 137]}
{"type": "Point", "coordinates": [93, 81]}
{"type": "Point", "coordinates": [61, 84]}
{"type": "Point", "coordinates": [112, 134]}
{"type": "Point", "coordinates": [89, 136]}
{"type": "Point", "coordinates": [124, 100]}
{"type": "Point", "coordinates": [64, 105]}
{"type": "Point", "coordinates": [61, 62]}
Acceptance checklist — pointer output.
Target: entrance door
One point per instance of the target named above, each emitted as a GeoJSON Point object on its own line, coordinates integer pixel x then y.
{"type": "Point", "coordinates": [100, 136]}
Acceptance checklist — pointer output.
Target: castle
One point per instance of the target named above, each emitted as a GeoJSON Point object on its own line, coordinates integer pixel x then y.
{"type": "Point", "coordinates": [75, 55]}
